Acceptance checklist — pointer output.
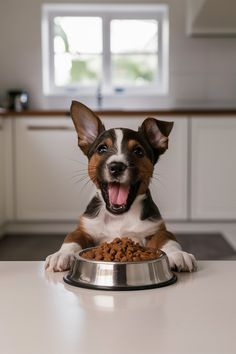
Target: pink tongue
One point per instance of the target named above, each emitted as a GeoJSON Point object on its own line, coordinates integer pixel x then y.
{"type": "Point", "coordinates": [118, 193]}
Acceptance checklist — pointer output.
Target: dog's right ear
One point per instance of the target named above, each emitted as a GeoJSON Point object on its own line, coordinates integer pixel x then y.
{"type": "Point", "coordinates": [87, 125]}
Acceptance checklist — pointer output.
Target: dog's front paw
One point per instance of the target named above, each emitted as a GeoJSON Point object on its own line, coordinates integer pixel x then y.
{"type": "Point", "coordinates": [63, 259]}
{"type": "Point", "coordinates": [59, 261]}
{"type": "Point", "coordinates": [182, 261]}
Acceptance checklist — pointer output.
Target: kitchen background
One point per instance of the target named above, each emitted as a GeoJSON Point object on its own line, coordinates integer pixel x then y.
{"type": "Point", "coordinates": [41, 191]}
{"type": "Point", "coordinates": [202, 71]}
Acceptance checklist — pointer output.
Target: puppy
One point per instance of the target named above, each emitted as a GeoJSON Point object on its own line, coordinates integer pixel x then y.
{"type": "Point", "coordinates": [120, 164]}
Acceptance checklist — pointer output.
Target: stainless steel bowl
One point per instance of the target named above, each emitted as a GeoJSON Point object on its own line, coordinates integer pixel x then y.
{"type": "Point", "coordinates": [120, 275]}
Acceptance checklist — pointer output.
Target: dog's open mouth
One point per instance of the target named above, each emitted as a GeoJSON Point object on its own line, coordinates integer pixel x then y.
{"type": "Point", "coordinates": [118, 197]}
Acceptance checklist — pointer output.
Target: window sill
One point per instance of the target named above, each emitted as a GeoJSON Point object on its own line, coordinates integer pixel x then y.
{"type": "Point", "coordinates": [115, 95]}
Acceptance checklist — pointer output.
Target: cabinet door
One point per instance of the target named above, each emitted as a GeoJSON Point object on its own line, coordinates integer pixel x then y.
{"type": "Point", "coordinates": [213, 168]}
{"type": "Point", "coordinates": [1, 174]}
{"type": "Point", "coordinates": [169, 185]}
{"type": "Point", "coordinates": [51, 181]}
{"type": "Point", "coordinates": [6, 171]}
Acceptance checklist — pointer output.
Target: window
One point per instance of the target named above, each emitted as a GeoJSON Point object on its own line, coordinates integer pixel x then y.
{"type": "Point", "coordinates": [120, 49]}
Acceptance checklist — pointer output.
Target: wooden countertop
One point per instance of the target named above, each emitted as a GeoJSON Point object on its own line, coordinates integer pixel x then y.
{"type": "Point", "coordinates": [169, 112]}
{"type": "Point", "coordinates": [42, 314]}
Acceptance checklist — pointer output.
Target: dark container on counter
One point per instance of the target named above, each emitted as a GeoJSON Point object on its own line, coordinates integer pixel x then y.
{"type": "Point", "coordinates": [18, 100]}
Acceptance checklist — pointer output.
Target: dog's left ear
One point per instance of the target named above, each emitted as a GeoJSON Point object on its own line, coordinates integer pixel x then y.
{"type": "Point", "coordinates": [157, 132]}
{"type": "Point", "coordinates": [87, 125]}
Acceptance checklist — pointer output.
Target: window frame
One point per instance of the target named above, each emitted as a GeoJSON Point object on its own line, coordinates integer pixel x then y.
{"type": "Point", "coordinates": [107, 12]}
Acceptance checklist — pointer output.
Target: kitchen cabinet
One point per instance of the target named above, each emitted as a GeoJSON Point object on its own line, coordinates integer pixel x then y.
{"type": "Point", "coordinates": [51, 181]}
{"type": "Point", "coordinates": [170, 183]}
{"type": "Point", "coordinates": [213, 166]}
{"type": "Point", "coordinates": [1, 174]}
{"type": "Point", "coordinates": [43, 172]}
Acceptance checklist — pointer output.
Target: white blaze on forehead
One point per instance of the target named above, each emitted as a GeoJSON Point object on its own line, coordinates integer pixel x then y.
{"type": "Point", "coordinates": [119, 138]}
{"type": "Point", "coordinates": [119, 156]}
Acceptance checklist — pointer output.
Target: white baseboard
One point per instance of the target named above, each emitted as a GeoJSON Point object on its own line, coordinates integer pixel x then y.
{"type": "Point", "coordinates": [39, 227]}
{"type": "Point", "coordinates": [1, 232]}
{"type": "Point", "coordinates": [228, 230]}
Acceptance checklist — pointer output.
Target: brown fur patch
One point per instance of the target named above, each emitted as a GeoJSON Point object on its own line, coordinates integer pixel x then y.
{"type": "Point", "coordinates": [80, 236]}
{"type": "Point", "coordinates": [145, 167]}
{"type": "Point", "coordinates": [108, 141]}
{"type": "Point", "coordinates": [157, 240]}
{"type": "Point", "coordinates": [132, 143]}
{"type": "Point", "coordinates": [95, 161]}
{"type": "Point", "coordinates": [92, 167]}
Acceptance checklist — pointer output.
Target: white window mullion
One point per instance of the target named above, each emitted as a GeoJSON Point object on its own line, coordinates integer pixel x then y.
{"type": "Point", "coordinates": [164, 52]}
{"type": "Point", "coordinates": [106, 62]}
{"type": "Point", "coordinates": [51, 48]}
{"type": "Point", "coordinates": [159, 76]}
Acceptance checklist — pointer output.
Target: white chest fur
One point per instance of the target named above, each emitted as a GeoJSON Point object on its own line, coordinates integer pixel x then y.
{"type": "Point", "coordinates": [106, 226]}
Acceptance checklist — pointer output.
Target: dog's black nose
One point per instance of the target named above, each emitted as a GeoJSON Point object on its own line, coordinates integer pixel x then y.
{"type": "Point", "coordinates": [116, 168]}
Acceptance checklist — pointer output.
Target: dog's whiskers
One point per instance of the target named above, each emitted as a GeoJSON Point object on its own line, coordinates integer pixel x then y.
{"type": "Point", "coordinates": [79, 176]}
{"type": "Point", "coordinates": [80, 162]}
{"type": "Point", "coordinates": [90, 180]}
{"type": "Point", "coordinates": [81, 179]}
{"type": "Point", "coordinates": [83, 163]}
{"type": "Point", "coordinates": [81, 172]}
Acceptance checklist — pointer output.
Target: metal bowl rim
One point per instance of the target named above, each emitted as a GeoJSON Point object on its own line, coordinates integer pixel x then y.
{"type": "Point", "coordinates": [80, 258]}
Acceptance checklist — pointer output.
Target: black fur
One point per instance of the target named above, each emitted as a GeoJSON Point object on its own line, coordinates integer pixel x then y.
{"type": "Point", "coordinates": [150, 210]}
{"type": "Point", "coordinates": [93, 207]}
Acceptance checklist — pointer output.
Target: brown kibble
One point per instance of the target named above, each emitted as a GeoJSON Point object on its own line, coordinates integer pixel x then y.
{"type": "Point", "coordinates": [121, 250]}
{"type": "Point", "coordinates": [107, 259]}
{"type": "Point", "coordinates": [97, 257]}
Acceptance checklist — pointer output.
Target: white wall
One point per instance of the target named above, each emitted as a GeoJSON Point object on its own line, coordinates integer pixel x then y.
{"type": "Point", "coordinates": [202, 70]}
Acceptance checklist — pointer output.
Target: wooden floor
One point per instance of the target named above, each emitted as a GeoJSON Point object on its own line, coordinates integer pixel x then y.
{"type": "Point", "coordinates": [37, 247]}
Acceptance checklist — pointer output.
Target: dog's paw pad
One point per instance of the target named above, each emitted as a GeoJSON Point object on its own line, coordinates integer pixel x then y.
{"type": "Point", "coordinates": [182, 261]}
{"type": "Point", "coordinates": [59, 261]}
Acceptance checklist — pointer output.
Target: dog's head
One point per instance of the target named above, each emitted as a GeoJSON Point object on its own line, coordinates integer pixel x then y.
{"type": "Point", "coordinates": [121, 161]}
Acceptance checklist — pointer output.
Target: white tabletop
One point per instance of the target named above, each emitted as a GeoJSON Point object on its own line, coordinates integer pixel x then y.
{"type": "Point", "coordinates": [40, 314]}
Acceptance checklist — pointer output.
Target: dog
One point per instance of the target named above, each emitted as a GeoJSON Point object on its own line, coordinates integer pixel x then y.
{"type": "Point", "coordinates": [120, 164]}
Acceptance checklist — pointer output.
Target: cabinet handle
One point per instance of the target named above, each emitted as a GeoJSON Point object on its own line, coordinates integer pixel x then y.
{"type": "Point", "coordinates": [43, 127]}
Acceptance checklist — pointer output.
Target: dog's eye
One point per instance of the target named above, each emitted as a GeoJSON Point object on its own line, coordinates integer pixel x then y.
{"type": "Point", "coordinates": [102, 148]}
{"type": "Point", "coordinates": [138, 151]}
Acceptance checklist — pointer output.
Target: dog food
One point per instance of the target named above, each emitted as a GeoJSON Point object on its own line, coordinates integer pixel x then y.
{"type": "Point", "coordinates": [121, 250]}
